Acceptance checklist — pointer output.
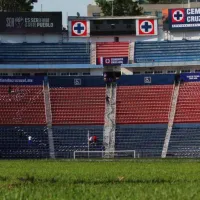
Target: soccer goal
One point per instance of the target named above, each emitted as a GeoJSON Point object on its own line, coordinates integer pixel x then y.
{"type": "Point", "coordinates": [104, 154]}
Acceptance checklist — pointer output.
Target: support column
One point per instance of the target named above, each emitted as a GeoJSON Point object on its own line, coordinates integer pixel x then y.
{"type": "Point", "coordinates": [48, 114]}
{"type": "Point", "coordinates": [171, 120]}
{"type": "Point", "coordinates": [93, 54]}
{"type": "Point", "coordinates": [110, 119]}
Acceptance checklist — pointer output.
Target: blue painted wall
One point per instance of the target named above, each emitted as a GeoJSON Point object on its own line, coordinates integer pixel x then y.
{"type": "Point", "coordinates": [148, 79]}
{"type": "Point", "coordinates": [97, 81]}
{"type": "Point", "coordinates": [76, 81]}
{"type": "Point", "coordinates": [190, 77]}
{"type": "Point", "coordinates": [21, 80]}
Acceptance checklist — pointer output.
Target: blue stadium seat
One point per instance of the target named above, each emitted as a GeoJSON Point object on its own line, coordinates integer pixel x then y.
{"type": "Point", "coordinates": [14, 142]}
{"type": "Point", "coordinates": [69, 53]}
{"type": "Point", "coordinates": [167, 51]}
{"type": "Point", "coordinates": [68, 139]}
{"type": "Point", "coordinates": [185, 141]}
{"type": "Point", "coordinates": [146, 140]}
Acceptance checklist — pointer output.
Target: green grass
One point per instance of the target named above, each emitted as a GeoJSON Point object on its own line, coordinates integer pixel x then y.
{"type": "Point", "coordinates": [77, 180]}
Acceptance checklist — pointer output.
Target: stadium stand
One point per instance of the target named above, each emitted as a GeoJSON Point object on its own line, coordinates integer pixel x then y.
{"type": "Point", "coordinates": [112, 49]}
{"type": "Point", "coordinates": [184, 141]}
{"type": "Point", "coordinates": [78, 105]}
{"type": "Point", "coordinates": [75, 105]}
{"type": "Point", "coordinates": [14, 142]}
{"type": "Point", "coordinates": [77, 109]}
{"type": "Point", "coordinates": [143, 104]}
{"type": "Point", "coordinates": [23, 106]}
{"type": "Point", "coordinates": [188, 103]}
{"type": "Point", "coordinates": [69, 53]}
{"type": "Point", "coordinates": [22, 115]}
{"type": "Point", "coordinates": [167, 51]}
{"type": "Point", "coordinates": [147, 139]}
{"type": "Point", "coordinates": [68, 139]}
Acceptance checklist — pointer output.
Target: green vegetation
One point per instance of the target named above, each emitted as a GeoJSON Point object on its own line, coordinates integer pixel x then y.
{"type": "Point", "coordinates": [77, 180]}
{"type": "Point", "coordinates": [163, 1]}
{"type": "Point", "coordinates": [120, 8]}
{"type": "Point", "coordinates": [16, 5]}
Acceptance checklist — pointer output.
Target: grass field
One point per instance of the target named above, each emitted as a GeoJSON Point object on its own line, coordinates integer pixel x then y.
{"type": "Point", "coordinates": [66, 180]}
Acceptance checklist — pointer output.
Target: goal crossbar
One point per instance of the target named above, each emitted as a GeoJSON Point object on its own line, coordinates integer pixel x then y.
{"type": "Point", "coordinates": [105, 154]}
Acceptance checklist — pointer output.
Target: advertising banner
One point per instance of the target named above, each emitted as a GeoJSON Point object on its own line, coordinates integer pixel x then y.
{"type": "Point", "coordinates": [190, 77]}
{"type": "Point", "coordinates": [179, 19]}
{"type": "Point", "coordinates": [112, 61]}
{"type": "Point", "coordinates": [144, 79]}
{"type": "Point", "coordinates": [21, 80]}
{"type": "Point", "coordinates": [30, 22]}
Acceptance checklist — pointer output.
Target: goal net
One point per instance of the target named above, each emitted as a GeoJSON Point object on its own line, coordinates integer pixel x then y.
{"type": "Point", "coordinates": [104, 154]}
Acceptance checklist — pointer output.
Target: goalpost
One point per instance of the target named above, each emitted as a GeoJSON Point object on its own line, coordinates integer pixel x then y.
{"type": "Point", "coordinates": [105, 154]}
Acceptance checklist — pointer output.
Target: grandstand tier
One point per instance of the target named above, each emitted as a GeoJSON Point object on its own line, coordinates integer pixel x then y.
{"type": "Point", "coordinates": [188, 103]}
{"type": "Point", "coordinates": [82, 104]}
{"type": "Point", "coordinates": [112, 49]}
{"type": "Point", "coordinates": [167, 51]}
{"type": "Point", "coordinates": [14, 142]}
{"type": "Point", "coordinates": [68, 139]}
{"type": "Point", "coordinates": [143, 104]}
{"type": "Point", "coordinates": [78, 105]}
{"type": "Point", "coordinates": [184, 142]}
{"type": "Point", "coordinates": [38, 53]}
{"type": "Point", "coordinates": [147, 140]}
{"type": "Point", "coordinates": [23, 105]}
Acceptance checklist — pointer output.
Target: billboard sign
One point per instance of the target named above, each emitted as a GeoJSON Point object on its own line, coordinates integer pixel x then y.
{"type": "Point", "coordinates": [112, 26]}
{"type": "Point", "coordinates": [112, 61]}
{"type": "Point", "coordinates": [21, 80]}
{"type": "Point", "coordinates": [179, 19]}
{"type": "Point", "coordinates": [30, 22]}
{"type": "Point", "coordinates": [190, 77]}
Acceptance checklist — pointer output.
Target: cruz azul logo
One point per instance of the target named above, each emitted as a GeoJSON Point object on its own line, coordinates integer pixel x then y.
{"type": "Point", "coordinates": [178, 15]}
{"type": "Point", "coordinates": [146, 27]}
{"type": "Point", "coordinates": [79, 28]}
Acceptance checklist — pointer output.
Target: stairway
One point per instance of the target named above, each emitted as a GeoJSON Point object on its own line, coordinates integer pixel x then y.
{"type": "Point", "coordinates": [48, 114]}
{"type": "Point", "coordinates": [93, 54]}
{"type": "Point", "coordinates": [131, 52]}
{"type": "Point", "coordinates": [110, 119]}
{"type": "Point", "coordinates": [171, 120]}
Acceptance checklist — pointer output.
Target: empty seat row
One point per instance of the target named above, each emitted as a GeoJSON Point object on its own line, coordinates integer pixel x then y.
{"type": "Point", "coordinates": [171, 51]}
{"type": "Point", "coordinates": [72, 53]}
{"type": "Point", "coordinates": [65, 144]}
{"type": "Point", "coordinates": [112, 49]}
{"type": "Point", "coordinates": [78, 105]}
{"type": "Point", "coordinates": [135, 107]}
{"type": "Point", "coordinates": [22, 105]}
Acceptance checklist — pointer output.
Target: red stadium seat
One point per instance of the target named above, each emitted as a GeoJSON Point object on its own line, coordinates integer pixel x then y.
{"type": "Point", "coordinates": [24, 106]}
{"type": "Point", "coordinates": [112, 49]}
{"type": "Point", "coordinates": [188, 104]}
{"type": "Point", "coordinates": [76, 106]}
{"type": "Point", "coordinates": [143, 104]}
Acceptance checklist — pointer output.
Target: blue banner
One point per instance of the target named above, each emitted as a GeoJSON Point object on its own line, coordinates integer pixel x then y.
{"type": "Point", "coordinates": [190, 77]}
{"type": "Point", "coordinates": [184, 19]}
{"type": "Point", "coordinates": [146, 79]}
{"type": "Point", "coordinates": [112, 61]}
{"type": "Point", "coordinates": [76, 81]}
{"type": "Point", "coordinates": [21, 80]}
